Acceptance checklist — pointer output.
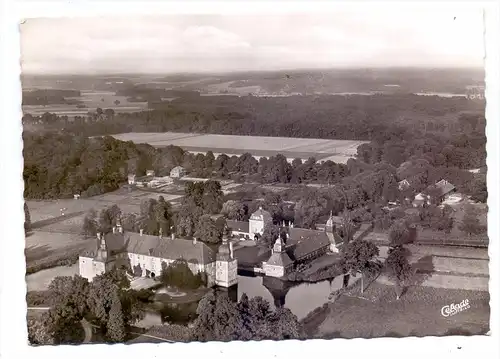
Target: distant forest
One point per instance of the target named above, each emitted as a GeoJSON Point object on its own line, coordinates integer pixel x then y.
{"type": "Point", "coordinates": [322, 116]}
{"type": "Point", "coordinates": [442, 137]}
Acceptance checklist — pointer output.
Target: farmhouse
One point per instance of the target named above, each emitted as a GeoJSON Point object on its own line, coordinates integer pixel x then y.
{"type": "Point", "coordinates": [177, 172]}
{"type": "Point", "coordinates": [436, 193]}
{"type": "Point", "coordinates": [149, 180]}
{"type": "Point", "coordinates": [144, 255]}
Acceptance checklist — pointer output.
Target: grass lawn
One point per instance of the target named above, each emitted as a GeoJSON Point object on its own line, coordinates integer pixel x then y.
{"type": "Point", "coordinates": [417, 313]}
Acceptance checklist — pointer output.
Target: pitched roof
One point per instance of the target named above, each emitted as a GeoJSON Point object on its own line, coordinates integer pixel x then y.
{"type": "Point", "coordinates": [261, 213]}
{"type": "Point", "coordinates": [239, 226]}
{"type": "Point", "coordinates": [304, 241]}
{"type": "Point", "coordinates": [279, 259]}
{"type": "Point", "coordinates": [443, 186]}
{"type": "Point", "coordinates": [155, 246]}
{"type": "Point", "coordinates": [169, 248]}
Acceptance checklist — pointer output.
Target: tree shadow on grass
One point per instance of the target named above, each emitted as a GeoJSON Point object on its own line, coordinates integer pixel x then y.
{"type": "Point", "coordinates": [424, 268]}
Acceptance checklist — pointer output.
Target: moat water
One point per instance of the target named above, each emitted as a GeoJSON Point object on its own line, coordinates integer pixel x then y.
{"type": "Point", "coordinates": [300, 298]}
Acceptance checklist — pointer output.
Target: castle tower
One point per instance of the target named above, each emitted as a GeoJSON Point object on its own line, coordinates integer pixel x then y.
{"type": "Point", "coordinates": [258, 222]}
{"type": "Point", "coordinates": [279, 245]}
{"type": "Point", "coordinates": [226, 266]}
{"type": "Point", "coordinates": [333, 237]}
{"type": "Point", "coordinates": [279, 264]}
{"type": "Point", "coordinates": [99, 264]}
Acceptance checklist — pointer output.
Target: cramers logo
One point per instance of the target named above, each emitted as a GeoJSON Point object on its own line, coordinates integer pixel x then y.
{"type": "Point", "coordinates": [452, 309]}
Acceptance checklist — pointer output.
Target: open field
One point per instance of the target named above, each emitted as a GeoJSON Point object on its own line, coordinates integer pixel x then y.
{"type": "Point", "coordinates": [92, 100]}
{"type": "Point", "coordinates": [418, 313]}
{"type": "Point", "coordinates": [259, 146]}
{"type": "Point", "coordinates": [128, 201]}
{"type": "Point", "coordinates": [51, 249]}
{"type": "Point", "coordinates": [447, 281]}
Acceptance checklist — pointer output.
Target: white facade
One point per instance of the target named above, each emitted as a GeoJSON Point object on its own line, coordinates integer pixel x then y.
{"type": "Point", "coordinates": [86, 268]}
{"type": "Point", "coordinates": [177, 172]}
{"type": "Point", "coordinates": [90, 268]}
{"type": "Point", "coordinates": [258, 221]}
{"type": "Point", "coordinates": [273, 270]}
{"type": "Point", "coordinates": [226, 273]}
{"type": "Point", "coordinates": [153, 265]}
{"type": "Point", "coordinates": [131, 179]}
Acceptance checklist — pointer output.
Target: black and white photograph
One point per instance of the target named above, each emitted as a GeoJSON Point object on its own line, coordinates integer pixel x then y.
{"type": "Point", "coordinates": [250, 177]}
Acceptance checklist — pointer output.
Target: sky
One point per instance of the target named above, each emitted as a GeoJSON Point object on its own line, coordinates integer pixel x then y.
{"type": "Point", "coordinates": [225, 43]}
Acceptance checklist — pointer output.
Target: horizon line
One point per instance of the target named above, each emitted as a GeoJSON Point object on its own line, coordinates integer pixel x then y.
{"type": "Point", "coordinates": [208, 72]}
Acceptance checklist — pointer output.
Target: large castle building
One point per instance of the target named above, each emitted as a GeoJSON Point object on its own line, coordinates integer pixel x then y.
{"type": "Point", "coordinates": [295, 246]}
{"type": "Point", "coordinates": [147, 253]}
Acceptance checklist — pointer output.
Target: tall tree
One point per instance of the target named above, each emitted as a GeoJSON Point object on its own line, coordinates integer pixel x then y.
{"type": "Point", "coordinates": [399, 234]}
{"type": "Point", "coordinates": [399, 269]}
{"type": "Point", "coordinates": [163, 215]}
{"type": "Point", "coordinates": [309, 209]}
{"type": "Point", "coordinates": [358, 257]}
{"type": "Point", "coordinates": [116, 324]}
{"type": "Point", "coordinates": [347, 227]}
{"type": "Point", "coordinates": [470, 222]}
{"type": "Point", "coordinates": [234, 210]}
{"type": "Point", "coordinates": [207, 230]}
{"type": "Point", "coordinates": [90, 225]}
{"type": "Point", "coordinates": [212, 197]}
{"type": "Point", "coordinates": [218, 319]}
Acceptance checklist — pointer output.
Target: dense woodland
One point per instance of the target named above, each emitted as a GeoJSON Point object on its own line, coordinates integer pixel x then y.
{"type": "Point", "coordinates": [61, 164]}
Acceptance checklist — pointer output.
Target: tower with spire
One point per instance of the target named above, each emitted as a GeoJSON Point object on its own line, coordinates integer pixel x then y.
{"type": "Point", "coordinates": [280, 263]}
{"type": "Point", "coordinates": [333, 236]}
{"type": "Point", "coordinates": [226, 266]}
{"type": "Point", "coordinates": [101, 261]}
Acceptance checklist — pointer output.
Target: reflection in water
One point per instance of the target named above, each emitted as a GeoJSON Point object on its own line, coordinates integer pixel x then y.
{"type": "Point", "coordinates": [178, 313]}
{"type": "Point", "coordinates": [299, 298]}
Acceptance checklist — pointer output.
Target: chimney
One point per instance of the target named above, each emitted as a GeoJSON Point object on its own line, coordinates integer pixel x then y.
{"type": "Point", "coordinates": [231, 249]}
{"type": "Point", "coordinates": [141, 231]}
